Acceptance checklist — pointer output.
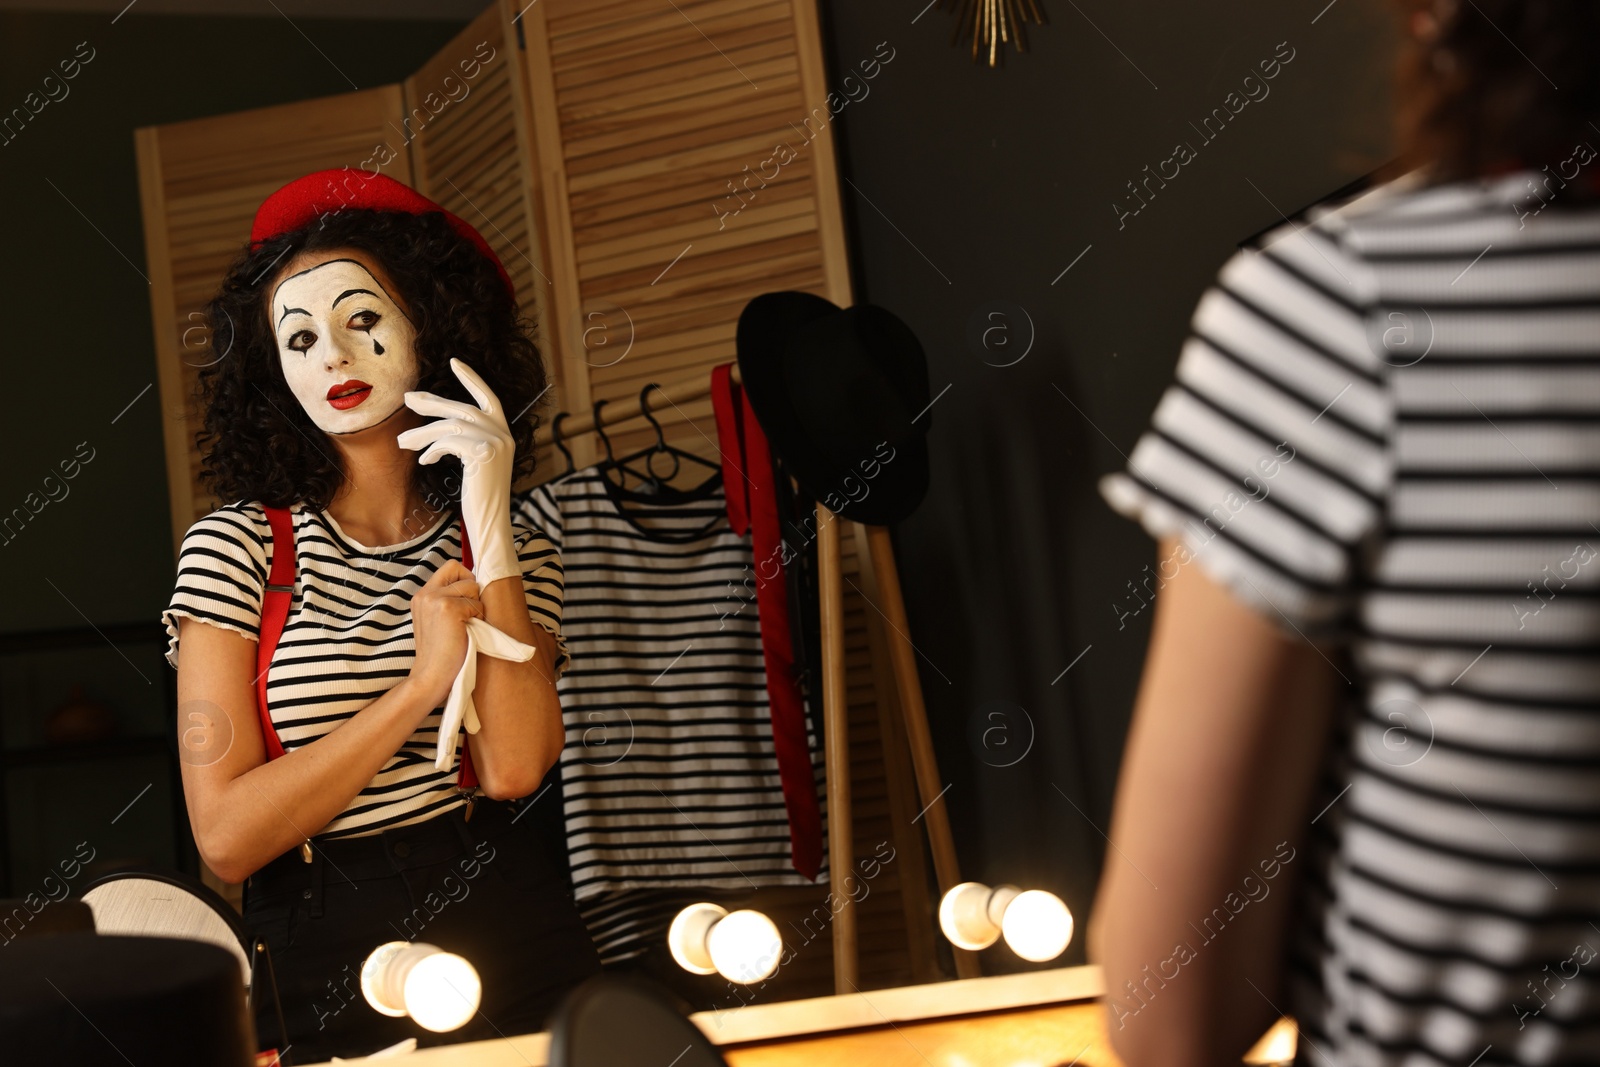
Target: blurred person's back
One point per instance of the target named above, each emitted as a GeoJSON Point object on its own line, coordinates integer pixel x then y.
{"type": "Point", "coordinates": [1385, 430]}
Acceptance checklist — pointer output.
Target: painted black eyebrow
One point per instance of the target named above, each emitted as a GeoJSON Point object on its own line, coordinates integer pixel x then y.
{"type": "Point", "coordinates": [358, 263]}
{"type": "Point", "coordinates": [353, 292]}
{"type": "Point", "coordinates": [290, 311]}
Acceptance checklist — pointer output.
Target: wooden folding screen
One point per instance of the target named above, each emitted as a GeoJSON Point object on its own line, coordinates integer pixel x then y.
{"type": "Point", "coordinates": [469, 146]}
{"type": "Point", "coordinates": [680, 178]}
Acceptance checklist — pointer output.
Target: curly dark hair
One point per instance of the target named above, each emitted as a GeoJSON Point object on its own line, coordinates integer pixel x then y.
{"type": "Point", "coordinates": [1493, 85]}
{"type": "Point", "coordinates": [258, 443]}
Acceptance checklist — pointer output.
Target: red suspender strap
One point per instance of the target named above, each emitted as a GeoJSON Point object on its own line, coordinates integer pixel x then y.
{"type": "Point", "coordinates": [725, 399]}
{"type": "Point", "coordinates": [274, 610]}
{"type": "Point", "coordinates": [753, 504]}
{"type": "Point", "coordinates": [275, 600]}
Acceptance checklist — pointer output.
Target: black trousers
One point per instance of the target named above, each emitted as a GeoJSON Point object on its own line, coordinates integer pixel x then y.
{"type": "Point", "coordinates": [494, 889]}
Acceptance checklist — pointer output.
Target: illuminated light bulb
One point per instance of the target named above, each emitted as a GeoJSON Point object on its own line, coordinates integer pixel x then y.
{"type": "Point", "coordinates": [1277, 1046]}
{"type": "Point", "coordinates": [745, 947]}
{"type": "Point", "coordinates": [439, 990]}
{"type": "Point", "coordinates": [686, 938]}
{"type": "Point", "coordinates": [742, 946]}
{"type": "Point", "coordinates": [1036, 924]}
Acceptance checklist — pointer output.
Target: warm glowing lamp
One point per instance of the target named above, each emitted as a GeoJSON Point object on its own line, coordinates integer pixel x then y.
{"type": "Point", "coordinates": [1276, 1048]}
{"type": "Point", "coordinates": [439, 990]}
{"type": "Point", "coordinates": [742, 946]}
{"type": "Point", "coordinates": [1036, 924]}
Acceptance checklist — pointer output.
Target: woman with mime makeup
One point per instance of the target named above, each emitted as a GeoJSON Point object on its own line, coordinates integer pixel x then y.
{"type": "Point", "coordinates": [371, 401]}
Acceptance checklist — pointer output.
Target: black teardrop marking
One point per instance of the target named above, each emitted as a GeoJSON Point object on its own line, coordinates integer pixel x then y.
{"type": "Point", "coordinates": [376, 347]}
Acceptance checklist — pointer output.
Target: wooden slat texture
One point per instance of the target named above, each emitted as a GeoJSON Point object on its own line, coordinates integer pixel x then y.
{"type": "Point", "coordinates": [474, 157]}
{"type": "Point", "coordinates": [665, 115]}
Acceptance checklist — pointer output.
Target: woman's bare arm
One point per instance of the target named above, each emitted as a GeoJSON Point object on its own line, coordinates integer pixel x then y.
{"type": "Point", "coordinates": [520, 730]}
{"type": "Point", "coordinates": [247, 810]}
{"type": "Point", "coordinates": [1222, 758]}
{"type": "Point", "coordinates": [244, 809]}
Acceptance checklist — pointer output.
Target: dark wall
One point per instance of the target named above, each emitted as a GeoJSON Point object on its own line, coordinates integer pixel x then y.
{"type": "Point", "coordinates": [971, 191]}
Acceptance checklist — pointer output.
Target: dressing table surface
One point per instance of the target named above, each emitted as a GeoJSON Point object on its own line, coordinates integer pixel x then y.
{"type": "Point", "coordinates": [1050, 1018]}
{"type": "Point", "coordinates": [1052, 1036]}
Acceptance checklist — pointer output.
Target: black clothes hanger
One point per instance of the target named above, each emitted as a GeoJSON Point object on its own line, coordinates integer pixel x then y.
{"type": "Point", "coordinates": [560, 442]}
{"type": "Point", "coordinates": [611, 463]}
{"type": "Point", "coordinates": [600, 431]}
{"type": "Point", "coordinates": [655, 484]}
{"type": "Point", "coordinates": [660, 448]}
{"type": "Point", "coordinates": [652, 488]}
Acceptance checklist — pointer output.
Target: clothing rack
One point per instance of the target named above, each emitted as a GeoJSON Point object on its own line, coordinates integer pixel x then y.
{"type": "Point", "coordinates": [615, 411]}
{"type": "Point", "coordinates": [884, 582]}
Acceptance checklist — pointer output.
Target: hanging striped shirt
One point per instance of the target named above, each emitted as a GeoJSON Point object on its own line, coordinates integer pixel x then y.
{"type": "Point", "coordinates": [1386, 427]}
{"type": "Point", "coordinates": [348, 638]}
{"type": "Point", "coordinates": [669, 776]}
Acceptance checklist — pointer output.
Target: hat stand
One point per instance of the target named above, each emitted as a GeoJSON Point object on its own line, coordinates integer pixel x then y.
{"type": "Point", "coordinates": [884, 594]}
{"type": "Point", "coordinates": [887, 599]}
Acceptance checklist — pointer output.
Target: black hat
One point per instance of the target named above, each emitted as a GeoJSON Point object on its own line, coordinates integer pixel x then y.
{"type": "Point", "coordinates": [87, 999]}
{"type": "Point", "coordinates": [842, 394]}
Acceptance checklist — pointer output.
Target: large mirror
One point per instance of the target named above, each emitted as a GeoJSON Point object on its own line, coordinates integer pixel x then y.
{"type": "Point", "coordinates": [582, 165]}
{"type": "Point", "coordinates": [948, 698]}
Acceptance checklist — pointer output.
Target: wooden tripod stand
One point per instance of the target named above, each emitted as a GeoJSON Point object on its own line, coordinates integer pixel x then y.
{"type": "Point", "coordinates": [835, 715]}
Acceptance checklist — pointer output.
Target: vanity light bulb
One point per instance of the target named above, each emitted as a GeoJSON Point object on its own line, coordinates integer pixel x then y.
{"type": "Point", "coordinates": [745, 947]}
{"type": "Point", "coordinates": [442, 992]}
{"type": "Point", "coordinates": [1037, 926]}
{"type": "Point", "coordinates": [742, 946]}
{"type": "Point", "coordinates": [439, 990]}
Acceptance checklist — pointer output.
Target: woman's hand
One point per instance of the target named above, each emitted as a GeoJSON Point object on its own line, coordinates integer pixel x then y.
{"type": "Point", "coordinates": [439, 614]}
{"type": "Point", "coordinates": [481, 440]}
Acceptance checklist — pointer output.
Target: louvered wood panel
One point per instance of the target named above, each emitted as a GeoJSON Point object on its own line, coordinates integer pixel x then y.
{"type": "Point", "coordinates": [471, 156]}
{"type": "Point", "coordinates": [200, 183]}
{"type": "Point", "coordinates": [652, 109]}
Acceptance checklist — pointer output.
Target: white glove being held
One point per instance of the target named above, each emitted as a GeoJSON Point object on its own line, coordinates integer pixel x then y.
{"type": "Point", "coordinates": [459, 709]}
{"type": "Point", "coordinates": [480, 438]}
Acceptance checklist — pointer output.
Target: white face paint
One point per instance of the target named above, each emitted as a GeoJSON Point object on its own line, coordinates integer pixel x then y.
{"type": "Point", "coordinates": [337, 328]}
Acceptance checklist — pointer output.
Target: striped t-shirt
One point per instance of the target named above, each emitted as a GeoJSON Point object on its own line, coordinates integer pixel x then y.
{"type": "Point", "coordinates": [1385, 428]}
{"type": "Point", "coordinates": [669, 774]}
{"type": "Point", "coordinates": [348, 638]}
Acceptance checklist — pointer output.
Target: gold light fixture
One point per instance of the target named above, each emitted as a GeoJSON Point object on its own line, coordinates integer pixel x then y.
{"type": "Point", "coordinates": [993, 23]}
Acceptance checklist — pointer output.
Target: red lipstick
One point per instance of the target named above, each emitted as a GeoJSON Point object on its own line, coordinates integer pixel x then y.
{"type": "Point", "coordinates": [348, 394]}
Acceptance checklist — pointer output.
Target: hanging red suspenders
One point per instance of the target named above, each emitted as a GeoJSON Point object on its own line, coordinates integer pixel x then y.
{"type": "Point", "coordinates": [275, 611]}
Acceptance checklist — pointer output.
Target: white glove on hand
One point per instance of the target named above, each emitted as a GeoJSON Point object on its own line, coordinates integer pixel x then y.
{"type": "Point", "coordinates": [458, 707]}
{"type": "Point", "coordinates": [480, 438]}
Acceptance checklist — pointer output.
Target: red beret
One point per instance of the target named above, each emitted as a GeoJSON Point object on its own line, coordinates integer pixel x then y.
{"type": "Point", "coordinates": [307, 199]}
